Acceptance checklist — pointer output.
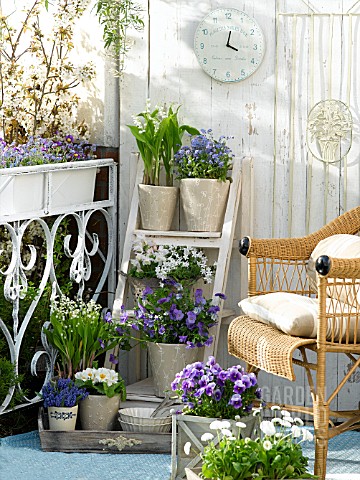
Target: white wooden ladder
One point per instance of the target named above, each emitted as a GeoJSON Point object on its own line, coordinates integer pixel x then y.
{"type": "Point", "coordinates": [221, 241]}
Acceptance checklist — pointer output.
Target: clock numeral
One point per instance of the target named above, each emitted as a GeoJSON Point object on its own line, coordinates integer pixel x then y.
{"type": "Point", "coordinates": [253, 60]}
{"type": "Point", "coordinates": [215, 19]}
{"type": "Point", "coordinates": [214, 71]}
{"type": "Point", "coordinates": [202, 46]}
{"type": "Point", "coordinates": [252, 31]}
{"type": "Point", "coordinates": [242, 73]}
{"type": "Point", "coordinates": [228, 15]}
{"type": "Point", "coordinates": [205, 31]}
{"type": "Point", "coordinates": [205, 61]}
{"type": "Point", "coordinates": [255, 47]}
{"type": "Point", "coordinates": [228, 74]}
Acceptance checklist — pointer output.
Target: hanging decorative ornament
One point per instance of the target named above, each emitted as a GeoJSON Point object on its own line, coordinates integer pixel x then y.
{"type": "Point", "coordinates": [329, 131]}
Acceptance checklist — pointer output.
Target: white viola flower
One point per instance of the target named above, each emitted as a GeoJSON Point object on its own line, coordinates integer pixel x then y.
{"type": "Point", "coordinates": [298, 421]}
{"type": "Point", "coordinates": [187, 448]}
{"type": "Point", "coordinates": [267, 445]}
{"type": "Point", "coordinates": [267, 427]}
{"type": "Point", "coordinates": [307, 435]}
{"type": "Point", "coordinates": [215, 425]}
{"type": "Point", "coordinates": [206, 437]}
{"type": "Point", "coordinates": [295, 431]}
{"type": "Point", "coordinates": [240, 424]}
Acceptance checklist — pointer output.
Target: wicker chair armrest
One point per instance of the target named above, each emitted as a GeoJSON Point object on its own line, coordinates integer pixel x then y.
{"type": "Point", "coordinates": [338, 267]}
{"type": "Point", "coordinates": [283, 248]}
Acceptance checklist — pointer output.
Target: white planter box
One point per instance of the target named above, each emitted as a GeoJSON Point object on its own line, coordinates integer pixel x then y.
{"type": "Point", "coordinates": [46, 188]}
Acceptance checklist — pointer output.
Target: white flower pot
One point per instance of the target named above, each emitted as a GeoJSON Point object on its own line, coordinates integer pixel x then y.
{"type": "Point", "coordinates": [43, 188]}
{"type": "Point", "coordinates": [167, 360]}
{"type": "Point", "coordinates": [204, 203]}
{"type": "Point", "coordinates": [62, 418]}
{"type": "Point", "coordinates": [157, 206]}
{"type": "Point", "coordinates": [99, 412]}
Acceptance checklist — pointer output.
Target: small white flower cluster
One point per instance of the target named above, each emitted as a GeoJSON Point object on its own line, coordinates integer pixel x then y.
{"type": "Point", "coordinates": [65, 308]}
{"type": "Point", "coordinates": [154, 118]}
{"type": "Point", "coordinates": [167, 258]}
{"type": "Point", "coordinates": [98, 375]}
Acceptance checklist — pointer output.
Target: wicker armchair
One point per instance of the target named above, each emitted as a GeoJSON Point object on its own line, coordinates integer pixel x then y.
{"type": "Point", "coordinates": [279, 265]}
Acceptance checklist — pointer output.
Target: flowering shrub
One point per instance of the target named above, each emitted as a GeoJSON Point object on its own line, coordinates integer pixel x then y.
{"type": "Point", "coordinates": [158, 137]}
{"type": "Point", "coordinates": [208, 390]}
{"type": "Point", "coordinates": [38, 151]}
{"type": "Point", "coordinates": [204, 158]}
{"type": "Point", "coordinates": [101, 380]}
{"type": "Point", "coordinates": [80, 333]}
{"type": "Point", "coordinates": [171, 314]}
{"type": "Point", "coordinates": [276, 454]}
{"type": "Point", "coordinates": [62, 393]}
{"type": "Point", "coordinates": [38, 77]}
{"type": "Point", "coordinates": [169, 262]}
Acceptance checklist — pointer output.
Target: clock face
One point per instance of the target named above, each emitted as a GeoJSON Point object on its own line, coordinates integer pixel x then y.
{"type": "Point", "coordinates": [229, 45]}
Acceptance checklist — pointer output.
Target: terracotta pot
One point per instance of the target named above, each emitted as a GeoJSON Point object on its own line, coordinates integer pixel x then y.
{"type": "Point", "coordinates": [167, 360]}
{"type": "Point", "coordinates": [62, 418]}
{"type": "Point", "coordinates": [204, 203]}
{"type": "Point", "coordinates": [157, 206]}
{"type": "Point", "coordinates": [99, 412]}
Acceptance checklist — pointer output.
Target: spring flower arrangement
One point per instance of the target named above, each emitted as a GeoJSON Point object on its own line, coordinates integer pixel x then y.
{"type": "Point", "coordinates": [205, 157]}
{"type": "Point", "coordinates": [172, 314]}
{"type": "Point", "coordinates": [62, 393]}
{"type": "Point", "coordinates": [101, 380]}
{"type": "Point", "coordinates": [208, 390]}
{"type": "Point", "coordinates": [276, 453]}
{"type": "Point", "coordinates": [38, 76]}
{"type": "Point", "coordinates": [181, 264]}
{"type": "Point", "coordinates": [38, 151]}
{"type": "Point", "coordinates": [81, 333]}
{"type": "Point", "coordinates": [158, 137]}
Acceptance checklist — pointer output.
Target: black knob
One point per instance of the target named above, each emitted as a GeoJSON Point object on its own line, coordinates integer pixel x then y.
{"type": "Point", "coordinates": [323, 265]}
{"type": "Point", "coordinates": [244, 245]}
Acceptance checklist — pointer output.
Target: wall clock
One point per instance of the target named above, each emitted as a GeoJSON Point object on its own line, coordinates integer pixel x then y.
{"type": "Point", "coordinates": [229, 45]}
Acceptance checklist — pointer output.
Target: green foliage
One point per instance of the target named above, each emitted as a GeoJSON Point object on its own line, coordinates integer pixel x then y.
{"type": "Point", "coordinates": [117, 17]}
{"type": "Point", "coordinates": [80, 334]}
{"type": "Point", "coordinates": [158, 136]}
{"type": "Point", "coordinates": [8, 379]}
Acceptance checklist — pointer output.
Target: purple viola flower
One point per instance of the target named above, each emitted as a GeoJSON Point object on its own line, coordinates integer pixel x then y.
{"type": "Point", "coordinates": [234, 374]}
{"type": "Point", "coordinates": [253, 378]}
{"type": "Point", "coordinates": [182, 338]}
{"type": "Point", "coordinates": [221, 295]}
{"type": "Point", "coordinates": [178, 314]}
{"type": "Point", "coordinates": [223, 375]}
{"type": "Point", "coordinates": [209, 341]}
{"type": "Point", "coordinates": [203, 381]}
{"type": "Point", "coordinates": [108, 317]}
{"type": "Point", "coordinates": [190, 320]}
{"type": "Point", "coordinates": [113, 359]}
{"type": "Point", "coordinates": [162, 330]}
{"type": "Point", "coordinates": [209, 389]}
{"type": "Point", "coordinates": [102, 344]}
{"type": "Point", "coordinates": [246, 381]}
{"type": "Point", "coordinates": [211, 361]}
{"type": "Point", "coordinates": [258, 393]}
{"type": "Point", "coordinates": [239, 387]}
{"type": "Point", "coordinates": [217, 395]}
{"type": "Point", "coordinates": [147, 291]}
{"type": "Point", "coordinates": [236, 401]}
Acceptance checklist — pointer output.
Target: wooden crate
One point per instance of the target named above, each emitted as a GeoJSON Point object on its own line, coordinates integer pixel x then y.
{"type": "Point", "coordinates": [87, 441]}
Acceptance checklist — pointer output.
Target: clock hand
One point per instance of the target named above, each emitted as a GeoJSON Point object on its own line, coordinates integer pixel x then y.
{"type": "Point", "coordinates": [228, 43]}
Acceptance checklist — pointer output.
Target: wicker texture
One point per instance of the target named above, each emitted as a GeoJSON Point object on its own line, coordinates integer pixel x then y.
{"type": "Point", "coordinates": [277, 265]}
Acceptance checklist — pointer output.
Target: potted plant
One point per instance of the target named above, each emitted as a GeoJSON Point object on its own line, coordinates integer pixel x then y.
{"type": "Point", "coordinates": [158, 137]}
{"type": "Point", "coordinates": [61, 398]}
{"type": "Point", "coordinates": [80, 333]}
{"type": "Point", "coordinates": [208, 392]}
{"type": "Point", "coordinates": [38, 113]}
{"type": "Point", "coordinates": [106, 389]}
{"type": "Point", "coordinates": [202, 168]}
{"type": "Point", "coordinates": [175, 324]}
{"type": "Point", "coordinates": [152, 264]}
{"type": "Point", "coordinates": [276, 453]}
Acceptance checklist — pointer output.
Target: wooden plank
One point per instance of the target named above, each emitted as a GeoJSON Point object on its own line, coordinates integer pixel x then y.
{"type": "Point", "coordinates": [88, 441]}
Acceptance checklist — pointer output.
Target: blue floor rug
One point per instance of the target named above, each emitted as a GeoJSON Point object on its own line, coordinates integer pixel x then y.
{"type": "Point", "coordinates": [21, 458]}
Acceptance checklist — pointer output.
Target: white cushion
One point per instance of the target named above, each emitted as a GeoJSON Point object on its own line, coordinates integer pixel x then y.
{"type": "Point", "coordinates": [336, 246]}
{"type": "Point", "coordinates": [297, 315]}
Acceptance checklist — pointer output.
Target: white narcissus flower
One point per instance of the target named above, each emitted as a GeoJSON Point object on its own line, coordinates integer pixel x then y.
{"type": "Point", "coordinates": [268, 428]}
{"type": "Point", "coordinates": [205, 437]}
{"type": "Point", "coordinates": [187, 448]}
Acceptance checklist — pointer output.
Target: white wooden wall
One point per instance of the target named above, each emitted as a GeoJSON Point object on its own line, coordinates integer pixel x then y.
{"type": "Point", "coordinates": [285, 192]}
